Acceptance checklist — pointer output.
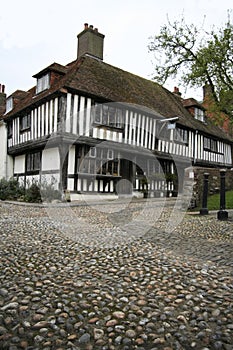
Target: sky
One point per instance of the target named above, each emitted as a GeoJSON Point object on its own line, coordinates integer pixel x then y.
{"type": "Point", "coordinates": [34, 34]}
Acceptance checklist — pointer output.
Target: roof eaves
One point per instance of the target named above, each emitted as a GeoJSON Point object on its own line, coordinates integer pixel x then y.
{"type": "Point", "coordinates": [55, 67]}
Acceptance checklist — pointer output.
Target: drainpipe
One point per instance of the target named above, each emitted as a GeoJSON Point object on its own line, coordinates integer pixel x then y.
{"type": "Point", "coordinates": [5, 161]}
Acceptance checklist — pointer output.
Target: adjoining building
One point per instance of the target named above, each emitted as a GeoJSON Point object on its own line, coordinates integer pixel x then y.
{"type": "Point", "coordinates": [96, 128]}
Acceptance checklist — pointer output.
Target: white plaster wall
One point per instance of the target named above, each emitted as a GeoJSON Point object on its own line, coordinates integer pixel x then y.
{"type": "Point", "coordinates": [3, 152]}
{"type": "Point", "coordinates": [71, 160]}
{"type": "Point", "coordinates": [51, 179]}
{"type": "Point", "coordinates": [32, 179]}
{"type": "Point", "coordinates": [19, 166]}
{"type": "Point", "coordinates": [50, 159]}
{"type": "Point", "coordinates": [70, 184]}
{"type": "Point", "coordinates": [9, 167]}
{"type": "Point", "coordinates": [21, 180]}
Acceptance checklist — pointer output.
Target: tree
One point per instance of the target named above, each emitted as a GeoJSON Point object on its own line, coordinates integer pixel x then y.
{"type": "Point", "coordinates": [198, 57]}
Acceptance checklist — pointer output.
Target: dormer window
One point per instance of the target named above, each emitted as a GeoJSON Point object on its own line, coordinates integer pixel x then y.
{"type": "Point", "coordinates": [42, 83]}
{"type": "Point", "coordinates": [199, 114]}
{"type": "Point", "coordinates": [9, 104]}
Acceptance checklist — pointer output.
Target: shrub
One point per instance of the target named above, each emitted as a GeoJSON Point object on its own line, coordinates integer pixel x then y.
{"type": "Point", "coordinates": [48, 192]}
{"type": "Point", "coordinates": [34, 192]}
{"type": "Point", "coordinates": [3, 189]}
{"type": "Point", "coordinates": [10, 189]}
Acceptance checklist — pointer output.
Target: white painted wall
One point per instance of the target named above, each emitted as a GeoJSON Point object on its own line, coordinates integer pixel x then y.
{"type": "Point", "coordinates": [19, 164]}
{"type": "Point", "coordinates": [51, 179]}
{"type": "Point", "coordinates": [71, 160]}
{"type": "Point", "coordinates": [3, 149]}
{"type": "Point", "coordinates": [9, 167]}
{"type": "Point", "coordinates": [32, 179]}
{"type": "Point", "coordinates": [50, 159]}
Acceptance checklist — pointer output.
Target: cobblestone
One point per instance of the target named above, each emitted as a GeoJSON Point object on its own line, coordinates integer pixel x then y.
{"type": "Point", "coordinates": [115, 276]}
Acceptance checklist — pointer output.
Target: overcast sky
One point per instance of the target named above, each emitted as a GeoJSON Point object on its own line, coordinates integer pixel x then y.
{"type": "Point", "coordinates": [34, 34]}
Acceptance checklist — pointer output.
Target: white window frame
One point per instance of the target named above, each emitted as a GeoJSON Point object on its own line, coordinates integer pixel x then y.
{"type": "Point", "coordinates": [42, 83]}
{"type": "Point", "coordinates": [9, 104]}
{"type": "Point", "coordinates": [199, 114]}
{"type": "Point", "coordinates": [110, 154]}
{"type": "Point", "coordinates": [92, 152]}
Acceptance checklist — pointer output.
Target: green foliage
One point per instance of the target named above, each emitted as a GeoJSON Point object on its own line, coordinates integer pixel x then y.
{"type": "Point", "coordinates": [171, 177]}
{"type": "Point", "coordinates": [10, 189]}
{"type": "Point", "coordinates": [198, 56]}
{"type": "Point", "coordinates": [48, 193]}
{"type": "Point", "coordinates": [213, 201]}
{"type": "Point", "coordinates": [34, 192]}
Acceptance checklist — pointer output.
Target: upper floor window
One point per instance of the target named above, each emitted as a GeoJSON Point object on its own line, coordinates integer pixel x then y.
{"type": "Point", "coordinates": [181, 135]}
{"type": "Point", "coordinates": [25, 122]}
{"type": "Point", "coordinates": [108, 115]}
{"type": "Point", "coordinates": [199, 114]}
{"type": "Point", "coordinates": [42, 83]}
{"type": "Point", "coordinates": [9, 104]}
{"type": "Point", "coordinates": [210, 144]}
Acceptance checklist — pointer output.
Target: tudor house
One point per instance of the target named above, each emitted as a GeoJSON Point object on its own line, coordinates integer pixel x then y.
{"type": "Point", "coordinates": [95, 128]}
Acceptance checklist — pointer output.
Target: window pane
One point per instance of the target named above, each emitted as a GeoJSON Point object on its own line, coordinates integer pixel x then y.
{"type": "Point", "coordinates": [42, 83]}
{"type": "Point", "coordinates": [9, 104]}
{"type": "Point", "coordinates": [112, 116]}
{"type": "Point", "coordinates": [97, 118]}
{"type": "Point", "coordinates": [33, 161]}
{"type": "Point", "coordinates": [105, 114]}
{"type": "Point", "coordinates": [25, 122]}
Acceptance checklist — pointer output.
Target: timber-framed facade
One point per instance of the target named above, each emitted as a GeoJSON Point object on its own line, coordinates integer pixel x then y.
{"type": "Point", "coordinates": [95, 128]}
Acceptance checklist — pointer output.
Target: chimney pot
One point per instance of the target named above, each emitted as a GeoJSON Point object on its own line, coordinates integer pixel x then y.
{"type": "Point", "coordinates": [176, 91]}
{"type": "Point", "coordinates": [85, 26]}
{"type": "Point", "coordinates": [91, 27]}
{"type": "Point", "coordinates": [96, 30]}
{"type": "Point", "coordinates": [3, 89]}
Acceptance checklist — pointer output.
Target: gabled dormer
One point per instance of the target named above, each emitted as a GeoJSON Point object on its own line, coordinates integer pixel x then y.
{"type": "Point", "coordinates": [194, 108]}
{"type": "Point", "coordinates": [14, 98]}
{"type": "Point", "coordinates": [48, 76]}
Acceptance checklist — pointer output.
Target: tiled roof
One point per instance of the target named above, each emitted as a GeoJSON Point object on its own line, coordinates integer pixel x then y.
{"type": "Point", "coordinates": [97, 78]}
{"type": "Point", "coordinates": [191, 102]}
{"type": "Point", "coordinates": [55, 67]}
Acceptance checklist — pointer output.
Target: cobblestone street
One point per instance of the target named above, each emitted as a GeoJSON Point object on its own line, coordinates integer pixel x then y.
{"type": "Point", "coordinates": [115, 276]}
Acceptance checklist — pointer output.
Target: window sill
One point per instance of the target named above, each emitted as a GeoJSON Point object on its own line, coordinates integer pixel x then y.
{"type": "Point", "coordinates": [109, 127]}
{"type": "Point", "coordinates": [25, 129]}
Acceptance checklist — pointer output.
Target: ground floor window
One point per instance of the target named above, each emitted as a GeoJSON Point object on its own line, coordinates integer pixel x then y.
{"type": "Point", "coordinates": [33, 161]}
{"type": "Point", "coordinates": [101, 161]}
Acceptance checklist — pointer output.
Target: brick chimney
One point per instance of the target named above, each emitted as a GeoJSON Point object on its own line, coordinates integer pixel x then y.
{"type": "Point", "coordinates": [176, 91]}
{"type": "Point", "coordinates": [2, 99]}
{"type": "Point", "coordinates": [90, 42]}
{"type": "Point", "coordinates": [207, 92]}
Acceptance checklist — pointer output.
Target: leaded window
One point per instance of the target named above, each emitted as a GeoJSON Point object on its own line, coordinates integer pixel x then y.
{"type": "Point", "coordinates": [33, 161]}
{"type": "Point", "coordinates": [25, 122]}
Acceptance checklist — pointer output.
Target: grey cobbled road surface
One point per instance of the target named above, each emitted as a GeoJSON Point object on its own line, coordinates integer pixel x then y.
{"type": "Point", "coordinates": [114, 275]}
